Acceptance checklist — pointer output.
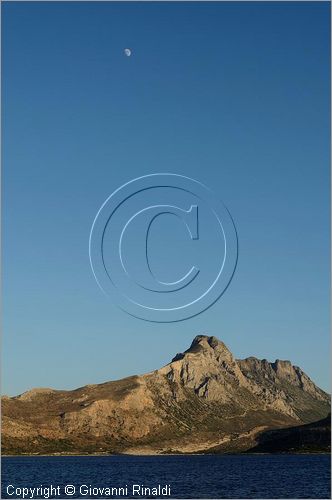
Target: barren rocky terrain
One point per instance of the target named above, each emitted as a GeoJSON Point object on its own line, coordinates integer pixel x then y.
{"type": "Point", "coordinates": [204, 400]}
{"type": "Point", "coordinates": [308, 438]}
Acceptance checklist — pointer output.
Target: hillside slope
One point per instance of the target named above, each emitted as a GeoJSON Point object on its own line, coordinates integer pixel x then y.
{"type": "Point", "coordinates": [309, 438]}
{"type": "Point", "coordinates": [203, 398]}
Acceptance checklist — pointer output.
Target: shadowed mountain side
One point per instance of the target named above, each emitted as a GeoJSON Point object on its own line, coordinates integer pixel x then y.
{"type": "Point", "coordinates": [309, 438]}
{"type": "Point", "coordinates": [201, 400]}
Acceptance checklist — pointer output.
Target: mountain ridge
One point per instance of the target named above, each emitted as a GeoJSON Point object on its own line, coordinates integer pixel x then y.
{"type": "Point", "coordinates": [202, 399]}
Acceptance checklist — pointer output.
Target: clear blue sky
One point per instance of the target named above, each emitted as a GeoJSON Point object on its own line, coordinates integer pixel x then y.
{"type": "Point", "coordinates": [233, 94]}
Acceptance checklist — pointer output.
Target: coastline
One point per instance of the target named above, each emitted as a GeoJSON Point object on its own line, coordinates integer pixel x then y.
{"type": "Point", "coordinates": [161, 454]}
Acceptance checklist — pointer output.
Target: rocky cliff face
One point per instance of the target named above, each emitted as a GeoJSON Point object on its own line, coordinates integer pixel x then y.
{"type": "Point", "coordinates": [309, 438]}
{"type": "Point", "coordinates": [203, 400]}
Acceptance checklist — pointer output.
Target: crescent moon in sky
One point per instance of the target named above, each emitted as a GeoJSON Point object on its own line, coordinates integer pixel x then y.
{"type": "Point", "coordinates": [127, 52]}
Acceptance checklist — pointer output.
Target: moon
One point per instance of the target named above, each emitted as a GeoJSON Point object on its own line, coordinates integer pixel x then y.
{"type": "Point", "coordinates": [127, 52]}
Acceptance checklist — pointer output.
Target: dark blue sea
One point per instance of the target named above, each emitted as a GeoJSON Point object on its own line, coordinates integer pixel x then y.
{"type": "Point", "coordinates": [194, 476]}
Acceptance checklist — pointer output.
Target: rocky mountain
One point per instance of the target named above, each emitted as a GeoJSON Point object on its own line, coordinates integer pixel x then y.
{"type": "Point", "coordinates": [309, 438]}
{"type": "Point", "coordinates": [203, 400]}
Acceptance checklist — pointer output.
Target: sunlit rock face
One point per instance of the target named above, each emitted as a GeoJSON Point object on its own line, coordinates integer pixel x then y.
{"type": "Point", "coordinates": [203, 400]}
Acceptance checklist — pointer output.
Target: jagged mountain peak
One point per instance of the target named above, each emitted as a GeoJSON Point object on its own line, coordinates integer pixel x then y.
{"type": "Point", "coordinates": [205, 345]}
{"type": "Point", "coordinates": [201, 339]}
{"type": "Point", "coordinates": [204, 398]}
{"type": "Point", "coordinates": [206, 341]}
{"type": "Point", "coordinates": [209, 368]}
